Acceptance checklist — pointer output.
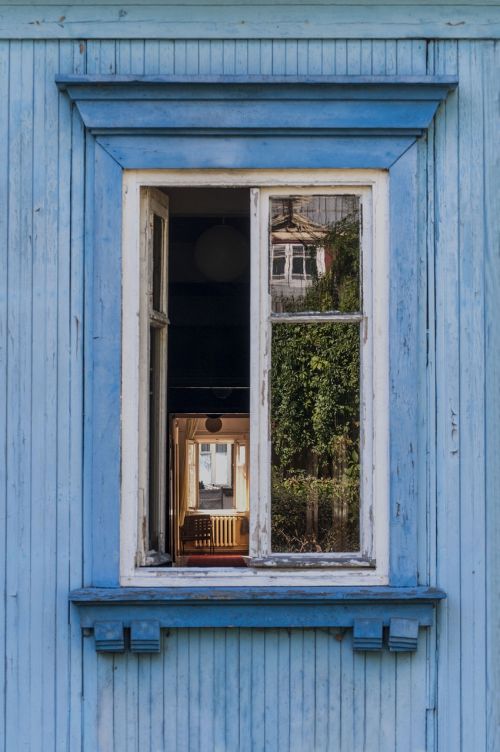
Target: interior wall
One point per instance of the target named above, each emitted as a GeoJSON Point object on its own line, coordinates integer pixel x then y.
{"type": "Point", "coordinates": [220, 686]}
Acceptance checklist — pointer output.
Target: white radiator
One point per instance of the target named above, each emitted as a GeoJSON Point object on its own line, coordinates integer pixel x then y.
{"type": "Point", "coordinates": [224, 530]}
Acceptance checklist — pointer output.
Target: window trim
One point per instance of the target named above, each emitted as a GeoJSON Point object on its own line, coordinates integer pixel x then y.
{"type": "Point", "coordinates": [295, 568]}
{"type": "Point", "coordinates": [367, 127]}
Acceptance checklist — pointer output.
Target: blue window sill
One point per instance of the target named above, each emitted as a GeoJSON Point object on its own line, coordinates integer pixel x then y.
{"type": "Point", "coordinates": [358, 608]}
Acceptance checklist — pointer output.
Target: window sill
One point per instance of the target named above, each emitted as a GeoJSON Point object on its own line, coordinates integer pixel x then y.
{"type": "Point", "coordinates": [313, 561]}
{"type": "Point", "coordinates": [358, 608]}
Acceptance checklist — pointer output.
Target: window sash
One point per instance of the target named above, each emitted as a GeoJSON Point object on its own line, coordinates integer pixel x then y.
{"type": "Point", "coordinates": [260, 447]}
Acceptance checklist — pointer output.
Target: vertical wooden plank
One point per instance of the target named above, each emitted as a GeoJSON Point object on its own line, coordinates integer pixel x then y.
{"type": "Point", "coordinates": [403, 726]}
{"type": "Point", "coordinates": [419, 57]}
{"type": "Point", "coordinates": [216, 57]}
{"type": "Point", "coordinates": [166, 56]}
{"type": "Point", "coordinates": [419, 694]}
{"type": "Point", "coordinates": [132, 703]}
{"type": "Point", "coordinates": [472, 406]}
{"type": "Point", "coordinates": [76, 281]}
{"type": "Point", "coordinates": [378, 57]}
{"type": "Point", "coordinates": [254, 56]}
{"type": "Point", "coordinates": [388, 703]}
{"type": "Point", "coordinates": [391, 63]}
{"type": "Point", "coordinates": [448, 405]}
{"type": "Point", "coordinates": [123, 57]}
{"type": "Point", "coordinates": [366, 57]}
{"type": "Point", "coordinates": [258, 694]}
{"type": "Point", "coordinates": [309, 690]}
{"type": "Point", "coordinates": [340, 57]}
{"type": "Point", "coordinates": [221, 670]}
{"type": "Point", "coordinates": [151, 57]}
{"type": "Point", "coordinates": [491, 73]}
{"type": "Point", "coordinates": [89, 716]}
{"type": "Point", "coordinates": [137, 56]}
{"type": "Point", "coordinates": [245, 661]}
{"type": "Point", "coordinates": [180, 57]}
{"type": "Point", "coordinates": [359, 701]}
{"type": "Point", "coordinates": [65, 700]}
{"type": "Point", "coordinates": [182, 673]}
{"type": "Point", "coordinates": [187, 700]}
{"type": "Point", "coordinates": [19, 421]}
{"type": "Point", "coordinates": [315, 57]}
{"type": "Point", "coordinates": [284, 689]}
{"type": "Point", "coordinates": [266, 57]}
{"type": "Point", "coordinates": [302, 57]}
{"type": "Point", "coordinates": [335, 689]}
{"type": "Point", "coordinates": [156, 689]}
{"type": "Point", "coordinates": [353, 57]}
{"type": "Point", "coordinates": [320, 716]}
{"type": "Point", "coordinates": [404, 50]}
{"type": "Point", "coordinates": [228, 57]}
{"type": "Point", "coordinates": [232, 688]}
{"type": "Point", "coordinates": [47, 460]}
{"type": "Point", "coordinates": [192, 57]}
{"type": "Point", "coordinates": [241, 57]}
{"type": "Point", "coordinates": [169, 696]}
{"type": "Point", "coordinates": [145, 701]}
{"type": "Point", "coordinates": [328, 57]}
{"type": "Point", "coordinates": [279, 60]}
{"type": "Point", "coordinates": [4, 349]}
{"type": "Point", "coordinates": [271, 689]}
{"type": "Point", "coordinates": [297, 685]}
{"type": "Point", "coordinates": [41, 494]}
{"type": "Point", "coordinates": [346, 706]}
{"type": "Point", "coordinates": [120, 668]}
{"type": "Point", "coordinates": [373, 696]}
{"type": "Point", "coordinates": [104, 700]}
{"type": "Point", "coordinates": [205, 725]}
{"type": "Point", "coordinates": [291, 57]}
{"type": "Point", "coordinates": [107, 58]}
{"type": "Point", "coordinates": [93, 50]}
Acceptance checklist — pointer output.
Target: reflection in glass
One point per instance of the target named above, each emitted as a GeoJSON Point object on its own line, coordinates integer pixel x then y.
{"type": "Point", "coordinates": [314, 253]}
{"type": "Point", "coordinates": [315, 430]}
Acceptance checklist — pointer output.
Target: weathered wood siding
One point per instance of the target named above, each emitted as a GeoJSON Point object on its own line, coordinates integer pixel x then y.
{"type": "Point", "coordinates": [247, 689]}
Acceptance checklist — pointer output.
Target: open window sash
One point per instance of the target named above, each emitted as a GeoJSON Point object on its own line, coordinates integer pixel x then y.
{"type": "Point", "coordinates": [152, 548]}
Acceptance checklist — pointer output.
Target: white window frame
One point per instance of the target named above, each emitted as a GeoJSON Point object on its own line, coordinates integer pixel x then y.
{"type": "Point", "coordinates": [371, 566]}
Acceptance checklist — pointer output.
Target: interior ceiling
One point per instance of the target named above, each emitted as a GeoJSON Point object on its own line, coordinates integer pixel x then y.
{"type": "Point", "coordinates": [207, 202]}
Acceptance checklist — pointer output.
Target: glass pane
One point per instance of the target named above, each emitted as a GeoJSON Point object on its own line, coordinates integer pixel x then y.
{"type": "Point", "coordinates": [157, 263]}
{"type": "Point", "coordinates": [154, 434]}
{"type": "Point", "coordinates": [315, 430]}
{"type": "Point", "coordinates": [320, 237]}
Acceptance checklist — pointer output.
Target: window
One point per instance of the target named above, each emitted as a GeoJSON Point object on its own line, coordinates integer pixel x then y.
{"type": "Point", "coordinates": [301, 482]}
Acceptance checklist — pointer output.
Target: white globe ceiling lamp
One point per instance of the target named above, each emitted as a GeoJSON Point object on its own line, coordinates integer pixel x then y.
{"type": "Point", "coordinates": [221, 253]}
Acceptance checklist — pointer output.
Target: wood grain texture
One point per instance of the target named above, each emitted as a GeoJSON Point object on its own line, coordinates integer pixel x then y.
{"type": "Point", "coordinates": [244, 21]}
{"type": "Point", "coordinates": [218, 689]}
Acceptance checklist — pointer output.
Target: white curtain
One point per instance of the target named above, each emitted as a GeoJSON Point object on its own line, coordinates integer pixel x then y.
{"type": "Point", "coordinates": [191, 424]}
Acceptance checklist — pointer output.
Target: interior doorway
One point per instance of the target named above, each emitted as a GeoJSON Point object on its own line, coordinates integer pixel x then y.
{"type": "Point", "coordinates": [208, 373]}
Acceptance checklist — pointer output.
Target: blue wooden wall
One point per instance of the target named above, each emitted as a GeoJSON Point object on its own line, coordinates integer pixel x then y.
{"type": "Point", "coordinates": [244, 689]}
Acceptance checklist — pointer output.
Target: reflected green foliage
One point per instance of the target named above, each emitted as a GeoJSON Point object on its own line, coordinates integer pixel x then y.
{"type": "Point", "coordinates": [339, 289]}
{"type": "Point", "coordinates": [315, 437]}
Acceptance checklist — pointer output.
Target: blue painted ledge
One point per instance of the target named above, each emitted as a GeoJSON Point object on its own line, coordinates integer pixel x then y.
{"type": "Point", "coordinates": [271, 607]}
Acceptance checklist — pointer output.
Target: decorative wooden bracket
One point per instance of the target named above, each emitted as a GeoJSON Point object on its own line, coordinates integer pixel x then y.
{"type": "Point", "coordinates": [367, 634]}
{"type": "Point", "coordinates": [403, 635]}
